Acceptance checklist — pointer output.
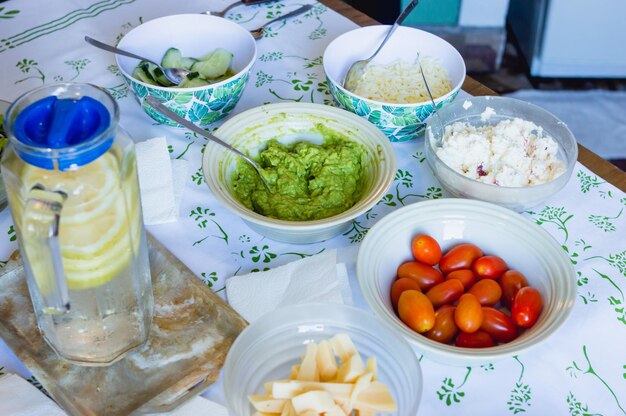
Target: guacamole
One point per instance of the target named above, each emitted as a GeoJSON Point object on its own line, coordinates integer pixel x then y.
{"type": "Point", "coordinates": [308, 181]}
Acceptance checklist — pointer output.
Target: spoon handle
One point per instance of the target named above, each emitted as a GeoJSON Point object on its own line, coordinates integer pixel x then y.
{"type": "Point", "coordinates": [288, 15]}
{"type": "Point", "coordinates": [157, 105]}
{"type": "Point", "coordinates": [113, 49]}
{"type": "Point", "coordinates": [407, 10]}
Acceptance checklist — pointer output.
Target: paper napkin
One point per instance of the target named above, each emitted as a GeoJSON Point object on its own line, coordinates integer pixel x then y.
{"type": "Point", "coordinates": [313, 279]}
{"type": "Point", "coordinates": [161, 181]}
{"type": "Point", "coordinates": [20, 398]}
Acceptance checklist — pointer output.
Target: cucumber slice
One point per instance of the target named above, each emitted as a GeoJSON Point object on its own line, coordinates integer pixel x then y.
{"type": "Point", "coordinates": [161, 78]}
{"type": "Point", "coordinates": [187, 62]}
{"type": "Point", "coordinates": [215, 65]}
{"type": "Point", "coordinates": [171, 59]}
{"type": "Point", "coordinates": [192, 80]}
{"type": "Point", "coordinates": [142, 74]}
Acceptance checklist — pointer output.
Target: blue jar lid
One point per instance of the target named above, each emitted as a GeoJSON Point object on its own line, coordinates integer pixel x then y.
{"type": "Point", "coordinates": [64, 124]}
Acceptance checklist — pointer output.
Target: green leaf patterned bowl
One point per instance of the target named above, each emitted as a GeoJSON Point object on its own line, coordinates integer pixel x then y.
{"type": "Point", "coordinates": [399, 122]}
{"type": "Point", "coordinates": [289, 122]}
{"type": "Point", "coordinates": [195, 35]}
{"type": "Point", "coordinates": [524, 245]}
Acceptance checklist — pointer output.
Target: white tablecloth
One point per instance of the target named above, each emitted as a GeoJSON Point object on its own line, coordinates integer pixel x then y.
{"type": "Point", "coordinates": [580, 370]}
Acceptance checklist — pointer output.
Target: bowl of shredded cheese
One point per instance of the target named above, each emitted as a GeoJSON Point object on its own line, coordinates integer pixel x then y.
{"type": "Point", "coordinates": [500, 150]}
{"type": "Point", "coordinates": [392, 94]}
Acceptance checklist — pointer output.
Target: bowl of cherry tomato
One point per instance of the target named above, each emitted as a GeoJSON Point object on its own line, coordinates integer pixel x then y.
{"type": "Point", "coordinates": [466, 282]}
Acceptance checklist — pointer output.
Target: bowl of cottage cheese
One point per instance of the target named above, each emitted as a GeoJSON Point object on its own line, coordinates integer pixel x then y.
{"type": "Point", "coordinates": [500, 150]}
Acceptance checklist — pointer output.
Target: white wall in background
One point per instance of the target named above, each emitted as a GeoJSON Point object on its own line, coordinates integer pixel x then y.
{"type": "Point", "coordinates": [483, 13]}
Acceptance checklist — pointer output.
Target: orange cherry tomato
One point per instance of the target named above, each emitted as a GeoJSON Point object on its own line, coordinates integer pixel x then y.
{"type": "Point", "coordinates": [423, 274]}
{"type": "Point", "coordinates": [444, 329]}
{"type": "Point", "coordinates": [426, 249]}
{"type": "Point", "coordinates": [461, 256]}
{"type": "Point", "coordinates": [445, 292]}
{"type": "Point", "coordinates": [416, 311]}
{"type": "Point", "coordinates": [526, 307]}
{"type": "Point", "coordinates": [498, 324]}
{"type": "Point", "coordinates": [510, 282]}
{"type": "Point", "coordinates": [465, 276]}
{"type": "Point", "coordinates": [400, 286]}
{"type": "Point", "coordinates": [469, 314]}
{"type": "Point", "coordinates": [487, 291]}
{"type": "Point", "coordinates": [489, 267]}
{"type": "Point", "coordinates": [478, 339]}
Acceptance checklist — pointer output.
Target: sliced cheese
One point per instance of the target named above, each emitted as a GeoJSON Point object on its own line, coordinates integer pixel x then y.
{"type": "Point", "coordinates": [288, 410]}
{"type": "Point", "coordinates": [343, 346]}
{"type": "Point", "coordinates": [361, 384]}
{"type": "Point", "coordinates": [336, 411]}
{"type": "Point", "coordinates": [371, 366]}
{"type": "Point", "coordinates": [267, 404]}
{"type": "Point", "coordinates": [292, 388]}
{"type": "Point", "coordinates": [308, 368]}
{"type": "Point", "coordinates": [294, 372]}
{"type": "Point", "coordinates": [351, 369]}
{"type": "Point", "coordinates": [376, 397]}
{"type": "Point", "coordinates": [326, 362]}
{"type": "Point", "coordinates": [317, 401]}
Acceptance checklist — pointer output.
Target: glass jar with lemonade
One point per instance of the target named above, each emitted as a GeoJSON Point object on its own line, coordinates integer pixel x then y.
{"type": "Point", "coordinates": [71, 178]}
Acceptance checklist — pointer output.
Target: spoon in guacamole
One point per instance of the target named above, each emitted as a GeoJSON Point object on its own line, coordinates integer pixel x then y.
{"type": "Point", "coordinates": [157, 105]}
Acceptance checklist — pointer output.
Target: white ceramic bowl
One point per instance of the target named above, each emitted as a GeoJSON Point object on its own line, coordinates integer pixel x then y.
{"type": "Point", "coordinates": [289, 122]}
{"type": "Point", "coordinates": [195, 35]}
{"type": "Point", "coordinates": [524, 245]}
{"type": "Point", "coordinates": [400, 122]}
{"type": "Point", "coordinates": [516, 198]}
{"type": "Point", "coordinates": [266, 350]}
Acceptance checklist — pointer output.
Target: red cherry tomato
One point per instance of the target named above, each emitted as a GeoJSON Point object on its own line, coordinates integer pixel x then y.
{"type": "Point", "coordinates": [445, 292]}
{"type": "Point", "coordinates": [400, 286]}
{"type": "Point", "coordinates": [489, 267]}
{"type": "Point", "coordinates": [510, 282]}
{"type": "Point", "coordinates": [416, 311]}
{"type": "Point", "coordinates": [478, 339]}
{"type": "Point", "coordinates": [466, 276]}
{"type": "Point", "coordinates": [426, 249]}
{"type": "Point", "coordinates": [444, 329]}
{"type": "Point", "coordinates": [423, 274]}
{"type": "Point", "coordinates": [526, 307]}
{"type": "Point", "coordinates": [469, 314]}
{"type": "Point", "coordinates": [487, 291]}
{"type": "Point", "coordinates": [458, 257]}
{"type": "Point", "coordinates": [498, 324]}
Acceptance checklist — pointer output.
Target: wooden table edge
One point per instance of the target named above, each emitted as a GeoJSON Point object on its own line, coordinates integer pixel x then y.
{"type": "Point", "coordinates": [595, 163]}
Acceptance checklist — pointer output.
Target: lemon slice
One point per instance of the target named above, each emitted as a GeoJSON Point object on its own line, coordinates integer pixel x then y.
{"type": "Point", "coordinates": [99, 231]}
{"type": "Point", "coordinates": [90, 190]}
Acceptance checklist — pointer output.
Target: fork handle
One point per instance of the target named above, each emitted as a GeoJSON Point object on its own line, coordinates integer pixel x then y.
{"type": "Point", "coordinates": [251, 2]}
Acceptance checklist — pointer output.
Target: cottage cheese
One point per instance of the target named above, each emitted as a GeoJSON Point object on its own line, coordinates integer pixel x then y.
{"type": "Point", "coordinates": [512, 152]}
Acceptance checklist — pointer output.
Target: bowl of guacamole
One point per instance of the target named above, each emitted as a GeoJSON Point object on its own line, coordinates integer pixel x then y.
{"type": "Point", "coordinates": [325, 167]}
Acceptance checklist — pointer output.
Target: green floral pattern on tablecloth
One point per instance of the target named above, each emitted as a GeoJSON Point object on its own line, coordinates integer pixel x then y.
{"type": "Point", "coordinates": [580, 371]}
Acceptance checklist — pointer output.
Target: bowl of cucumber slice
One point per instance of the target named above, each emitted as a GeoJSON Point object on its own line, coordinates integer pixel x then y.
{"type": "Point", "coordinates": [217, 52]}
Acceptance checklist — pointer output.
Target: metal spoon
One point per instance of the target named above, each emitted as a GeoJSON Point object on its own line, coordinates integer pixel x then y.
{"type": "Point", "coordinates": [435, 112]}
{"type": "Point", "coordinates": [356, 70]}
{"type": "Point", "coordinates": [258, 33]}
{"type": "Point", "coordinates": [175, 75]}
{"type": "Point", "coordinates": [157, 105]}
{"type": "Point", "coordinates": [235, 4]}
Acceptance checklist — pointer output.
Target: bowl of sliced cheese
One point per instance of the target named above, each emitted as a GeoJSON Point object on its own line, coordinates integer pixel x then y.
{"type": "Point", "coordinates": [391, 93]}
{"type": "Point", "coordinates": [217, 52]}
{"type": "Point", "coordinates": [319, 359]}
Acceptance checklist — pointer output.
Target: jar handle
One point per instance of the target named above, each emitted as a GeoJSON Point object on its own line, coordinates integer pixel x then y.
{"type": "Point", "coordinates": [40, 225]}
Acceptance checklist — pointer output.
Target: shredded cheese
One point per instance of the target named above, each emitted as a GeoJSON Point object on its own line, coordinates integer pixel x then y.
{"type": "Point", "coordinates": [402, 83]}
